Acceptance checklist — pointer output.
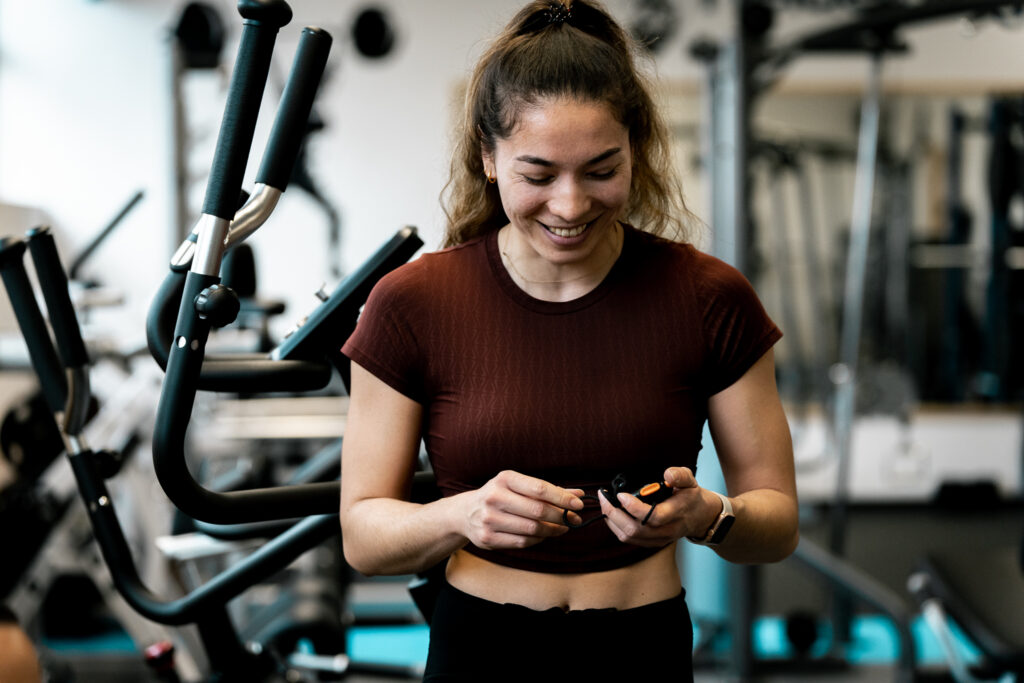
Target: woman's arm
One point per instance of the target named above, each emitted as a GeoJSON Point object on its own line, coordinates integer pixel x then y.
{"type": "Point", "coordinates": [383, 533]}
{"type": "Point", "coordinates": [755, 449]}
{"type": "Point", "coordinates": [754, 446]}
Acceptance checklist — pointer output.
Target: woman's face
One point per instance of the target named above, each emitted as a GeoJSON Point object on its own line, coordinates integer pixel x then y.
{"type": "Point", "coordinates": [563, 175]}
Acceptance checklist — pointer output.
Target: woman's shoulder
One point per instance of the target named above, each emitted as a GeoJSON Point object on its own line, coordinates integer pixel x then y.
{"type": "Point", "coordinates": [683, 257]}
{"type": "Point", "coordinates": [429, 273]}
{"type": "Point", "coordinates": [683, 266]}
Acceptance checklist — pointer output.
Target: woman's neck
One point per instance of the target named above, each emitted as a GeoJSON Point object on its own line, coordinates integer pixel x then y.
{"type": "Point", "coordinates": [559, 282]}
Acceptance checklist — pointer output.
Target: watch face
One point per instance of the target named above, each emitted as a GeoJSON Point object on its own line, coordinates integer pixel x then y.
{"type": "Point", "coordinates": [722, 530]}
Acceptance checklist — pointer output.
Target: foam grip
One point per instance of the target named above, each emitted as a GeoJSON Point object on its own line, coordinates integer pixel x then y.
{"type": "Point", "coordinates": [291, 122]}
{"type": "Point", "coordinates": [245, 93]}
{"type": "Point", "coordinates": [33, 326]}
{"type": "Point", "coordinates": [54, 283]}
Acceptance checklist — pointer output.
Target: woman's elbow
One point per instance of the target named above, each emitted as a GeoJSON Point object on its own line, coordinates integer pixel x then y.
{"type": "Point", "coordinates": [789, 534]}
{"type": "Point", "coordinates": [788, 545]}
{"type": "Point", "coordinates": [777, 550]}
{"type": "Point", "coordinates": [358, 559]}
{"type": "Point", "coordinates": [772, 543]}
{"type": "Point", "coordinates": [354, 551]}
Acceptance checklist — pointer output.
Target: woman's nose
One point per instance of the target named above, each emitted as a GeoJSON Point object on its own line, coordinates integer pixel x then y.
{"type": "Point", "coordinates": [569, 201]}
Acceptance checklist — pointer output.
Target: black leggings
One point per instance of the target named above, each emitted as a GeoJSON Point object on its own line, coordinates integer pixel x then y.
{"type": "Point", "coordinates": [476, 640]}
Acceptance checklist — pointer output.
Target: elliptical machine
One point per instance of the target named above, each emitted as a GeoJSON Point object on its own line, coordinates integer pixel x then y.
{"type": "Point", "coordinates": [293, 518]}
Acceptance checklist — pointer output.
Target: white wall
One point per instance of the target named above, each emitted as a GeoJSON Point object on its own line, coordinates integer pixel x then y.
{"type": "Point", "coordinates": [81, 125]}
{"type": "Point", "coordinates": [85, 121]}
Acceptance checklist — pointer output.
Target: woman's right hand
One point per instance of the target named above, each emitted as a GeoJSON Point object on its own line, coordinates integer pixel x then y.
{"type": "Point", "coordinates": [514, 510]}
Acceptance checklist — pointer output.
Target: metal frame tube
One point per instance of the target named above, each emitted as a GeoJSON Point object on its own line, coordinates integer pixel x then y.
{"type": "Point", "coordinates": [856, 583]}
{"type": "Point", "coordinates": [212, 233]}
{"type": "Point", "coordinates": [844, 373]}
{"type": "Point", "coordinates": [253, 214]}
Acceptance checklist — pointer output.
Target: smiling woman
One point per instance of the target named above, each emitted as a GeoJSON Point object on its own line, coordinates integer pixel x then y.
{"type": "Point", "coordinates": [564, 176]}
{"type": "Point", "coordinates": [558, 343]}
{"type": "Point", "coordinates": [531, 61]}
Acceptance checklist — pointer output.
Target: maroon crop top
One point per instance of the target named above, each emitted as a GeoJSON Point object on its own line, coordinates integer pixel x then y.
{"type": "Point", "coordinates": [570, 392]}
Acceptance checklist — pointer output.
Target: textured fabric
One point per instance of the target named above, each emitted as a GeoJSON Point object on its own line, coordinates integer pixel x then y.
{"type": "Point", "coordinates": [473, 640]}
{"type": "Point", "coordinates": [574, 393]}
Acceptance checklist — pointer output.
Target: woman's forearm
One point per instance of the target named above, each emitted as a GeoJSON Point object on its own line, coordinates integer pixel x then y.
{"type": "Point", "coordinates": [388, 536]}
{"type": "Point", "coordinates": [766, 528]}
{"type": "Point", "coordinates": [385, 535]}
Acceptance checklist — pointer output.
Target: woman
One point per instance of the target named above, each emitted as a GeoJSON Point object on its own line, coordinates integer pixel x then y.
{"type": "Point", "coordinates": [550, 347]}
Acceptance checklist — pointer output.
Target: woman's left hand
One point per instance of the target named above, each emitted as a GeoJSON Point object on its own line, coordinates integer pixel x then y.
{"type": "Point", "coordinates": [689, 511]}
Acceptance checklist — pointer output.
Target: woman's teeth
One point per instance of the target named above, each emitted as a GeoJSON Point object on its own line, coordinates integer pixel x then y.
{"type": "Point", "coordinates": [568, 232]}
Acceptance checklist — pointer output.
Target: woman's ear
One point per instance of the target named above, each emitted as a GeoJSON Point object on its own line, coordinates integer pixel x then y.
{"type": "Point", "coordinates": [488, 161]}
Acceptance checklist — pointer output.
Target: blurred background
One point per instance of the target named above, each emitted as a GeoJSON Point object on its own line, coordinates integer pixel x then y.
{"type": "Point", "coordinates": [861, 162]}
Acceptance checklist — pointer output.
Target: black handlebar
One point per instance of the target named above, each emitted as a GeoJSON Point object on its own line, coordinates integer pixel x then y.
{"type": "Point", "coordinates": [43, 356]}
{"type": "Point", "coordinates": [290, 125]}
{"type": "Point", "coordinates": [188, 368]}
{"type": "Point", "coordinates": [317, 339]}
{"type": "Point", "coordinates": [54, 283]}
{"type": "Point", "coordinates": [269, 559]}
{"type": "Point", "coordinates": [174, 412]}
{"type": "Point", "coordinates": [263, 18]}
{"type": "Point", "coordinates": [180, 289]}
{"type": "Point", "coordinates": [160, 318]}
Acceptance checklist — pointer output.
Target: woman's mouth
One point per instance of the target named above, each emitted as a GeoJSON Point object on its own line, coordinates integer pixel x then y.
{"type": "Point", "coordinates": [567, 232]}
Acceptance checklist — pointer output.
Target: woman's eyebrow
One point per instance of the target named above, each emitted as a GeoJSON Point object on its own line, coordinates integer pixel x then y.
{"type": "Point", "coordinates": [538, 161]}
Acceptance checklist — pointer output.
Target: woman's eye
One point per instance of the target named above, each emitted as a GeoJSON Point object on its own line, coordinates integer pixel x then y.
{"type": "Point", "coordinates": [594, 175]}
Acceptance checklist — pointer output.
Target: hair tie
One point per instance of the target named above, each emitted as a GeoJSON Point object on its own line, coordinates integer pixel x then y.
{"type": "Point", "coordinates": [557, 13]}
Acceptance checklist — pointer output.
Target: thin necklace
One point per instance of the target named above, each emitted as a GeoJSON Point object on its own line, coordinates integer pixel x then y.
{"type": "Point", "coordinates": [512, 265]}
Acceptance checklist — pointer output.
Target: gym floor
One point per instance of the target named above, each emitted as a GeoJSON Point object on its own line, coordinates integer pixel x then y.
{"type": "Point", "coordinates": [885, 541]}
{"type": "Point", "coordinates": [867, 675]}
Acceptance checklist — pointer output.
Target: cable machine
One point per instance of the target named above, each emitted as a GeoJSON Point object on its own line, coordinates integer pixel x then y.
{"type": "Point", "coordinates": [739, 73]}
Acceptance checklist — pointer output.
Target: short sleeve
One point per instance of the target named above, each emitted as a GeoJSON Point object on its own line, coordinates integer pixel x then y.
{"type": "Point", "coordinates": [383, 342]}
{"type": "Point", "coordinates": [737, 329]}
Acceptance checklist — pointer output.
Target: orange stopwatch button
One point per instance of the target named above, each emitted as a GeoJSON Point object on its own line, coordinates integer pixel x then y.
{"type": "Point", "coordinates": [649, 489]}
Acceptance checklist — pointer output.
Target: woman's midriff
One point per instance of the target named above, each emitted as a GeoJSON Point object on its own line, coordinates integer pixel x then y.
{"type": "Point", "coordinates": [651, 580]}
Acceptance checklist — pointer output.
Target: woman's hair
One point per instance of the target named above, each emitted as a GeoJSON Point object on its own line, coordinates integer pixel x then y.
{"type": "Point", "coordinates": [575, 51]}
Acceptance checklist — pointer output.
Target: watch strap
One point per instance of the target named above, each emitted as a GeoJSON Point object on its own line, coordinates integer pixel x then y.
{"type": "Point", "coordinates": [718, 530]}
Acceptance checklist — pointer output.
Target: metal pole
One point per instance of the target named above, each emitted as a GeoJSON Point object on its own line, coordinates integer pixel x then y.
{"type": "Point", "coordinates": [819, 290]}
{"type": "Point", "coordinates": [793, 369]}
{"type": "Point", "coordinates": [844, 373]}
{"type": "Point", "coordinates": [180, 215]}
{"type": "Point", "coordinates": [727, 160]}
{"type": "Point", "coordinates": [728, 154]}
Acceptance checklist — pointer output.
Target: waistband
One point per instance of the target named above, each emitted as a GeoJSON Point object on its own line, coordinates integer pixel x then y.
{"type": "Point", "coordinates": [641, 612]}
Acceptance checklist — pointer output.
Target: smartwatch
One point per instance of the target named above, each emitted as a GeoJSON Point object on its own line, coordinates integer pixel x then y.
{"type": "Point", "coordinates": [718, 530]}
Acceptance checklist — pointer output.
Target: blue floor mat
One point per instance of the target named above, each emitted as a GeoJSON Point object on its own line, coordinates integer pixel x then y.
{"type": "Point", "coordinates": [401, 645]}
{"type": "Point", "coordinates": [110, 642]}
{"type": "Point", "coordinates": [875, 641]}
